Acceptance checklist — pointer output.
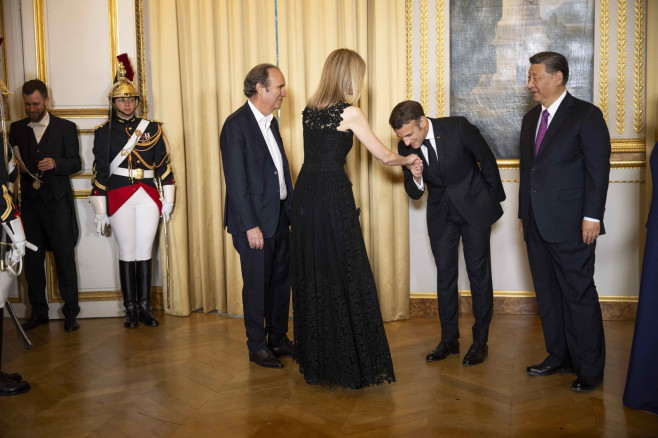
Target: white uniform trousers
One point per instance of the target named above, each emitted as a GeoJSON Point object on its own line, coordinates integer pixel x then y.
{"type": "Point", "coordinates": [134, 226]}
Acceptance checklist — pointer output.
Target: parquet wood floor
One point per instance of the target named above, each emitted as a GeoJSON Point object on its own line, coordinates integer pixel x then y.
{"type": "Point", "coordinates": [191, 378]}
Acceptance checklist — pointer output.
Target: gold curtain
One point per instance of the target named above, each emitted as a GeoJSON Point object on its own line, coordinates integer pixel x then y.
{"type": "Point", "coordinates": [200, 53]}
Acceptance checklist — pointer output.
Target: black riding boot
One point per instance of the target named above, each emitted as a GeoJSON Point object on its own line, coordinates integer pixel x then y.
{"type": "Point", "coordinates": [10, 384]}
{"type": "Point", "coordinates": [127, 276]}
{"type": "Point", "coordinates": [144, 293]}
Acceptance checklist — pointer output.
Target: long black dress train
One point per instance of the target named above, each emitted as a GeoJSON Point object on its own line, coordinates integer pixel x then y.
{"type": "Point", "coordinates": [339, 333]}
{"type": "Point", "coordinates": [642, 380]}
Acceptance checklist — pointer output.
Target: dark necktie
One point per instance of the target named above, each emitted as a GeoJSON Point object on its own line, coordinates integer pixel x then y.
{"type": "Point", "coordinates": [434, 161]}
{"type": "Point", "coordinates": [542, 130]}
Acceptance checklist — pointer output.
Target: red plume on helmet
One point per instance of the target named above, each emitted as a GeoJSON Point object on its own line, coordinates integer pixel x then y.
{"type": "Point", "coordinates": [130, 73]}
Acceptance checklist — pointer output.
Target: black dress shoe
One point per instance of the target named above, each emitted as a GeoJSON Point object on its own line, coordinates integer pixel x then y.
{"type": "Point", "coordinates": [11, 376]}
{"type": "Point", "coordinates": [442, 351]}
{"type": "Point", "coordinates": [71, 324]}
{"type": "Point", "coordinates": [586, 384]}
{"type": "Point", "coordinates": [476, 354]}
{"type": "Point", "coordinates": [285, 348]}
{"type": "Point", "coordinates": [34, 321]}
{"type": "Point", "coordinates": [265, 358]}
{"type": "Point", "coordinates": [543, 369]}
{"type": "Point", "coordinates": [12, 387]}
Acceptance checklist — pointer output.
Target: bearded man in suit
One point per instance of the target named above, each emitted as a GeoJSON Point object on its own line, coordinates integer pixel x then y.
{"type": "Point", "coordinates": [465, 192]}
{"type": "Point", "coordinates": [48, 152]}
{"type": "Point", "coordinates": [257, 211]}
{"type": "Point", "coordinates": [565, 167]}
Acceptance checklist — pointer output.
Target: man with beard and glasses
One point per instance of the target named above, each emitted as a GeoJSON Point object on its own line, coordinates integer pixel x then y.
{"type": "Point", "coordinates": [48, 152]}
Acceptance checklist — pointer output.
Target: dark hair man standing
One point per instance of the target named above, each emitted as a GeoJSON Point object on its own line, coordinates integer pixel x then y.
{"type": "Point", "coordinates": [257, 211]}
{"type": "Point", "coordinates": [565, 167]}
{"type": "Point", "coordinates": [463, 202]}
{"type": "Point", "coordinates": [48, 151]}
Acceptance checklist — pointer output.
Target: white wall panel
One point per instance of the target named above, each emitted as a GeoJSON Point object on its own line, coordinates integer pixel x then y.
{"type": "Point", "coordinates": [78, 52]}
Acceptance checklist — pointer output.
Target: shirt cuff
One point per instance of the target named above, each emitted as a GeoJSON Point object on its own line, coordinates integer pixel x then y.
{"type": "Point", "coordinates": [420, 186]}
{"type": "Point", "coordinates": [590, 219]}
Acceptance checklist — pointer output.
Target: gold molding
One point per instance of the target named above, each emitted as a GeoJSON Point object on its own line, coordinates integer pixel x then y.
{"type": "Point", "coordinates": [424, 56]}
{"type": "Point", "coordinates": [85, 131]}
{"type": "Point", "coordinates": [621, 66]}
{"type": "Point", "coordinates": [141, 55]}
{"type": "Point", "coordinates": [604, 46]}
{"type": "Point", "coordinates": [82, 175]}
{"type": "Point", "coordinates": [80, 113]}
{"type": "Point", "coordinates": [409, 16]}
{"type": "Point", "coordinates": [627, 165]}
{"type": "Point", "coordinates": [81, 193]}
{"type": "Point", "coordinates": [113, 14]}
{"type": "Point", "coordinates": [40, 40]}
{"type": "Point", "coordinates": [526, 294]}
{"type": "Point", "coordinates": [638, 67]}
{"type": "Point", "coordinates": [4, 53]}
{"type": "Point", "coordinates": [628, 145]}
{"type": "Point", "coordinates": [508, 164]}
{"type": "Point", "coordinates": [440, 58]}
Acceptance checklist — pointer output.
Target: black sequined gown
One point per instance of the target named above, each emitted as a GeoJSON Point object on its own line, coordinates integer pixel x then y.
{"type": "Point", "coordinates": [339, 333]}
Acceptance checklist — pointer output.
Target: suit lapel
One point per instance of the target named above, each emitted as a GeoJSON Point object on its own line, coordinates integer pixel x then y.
{"type": "Point", "coordinates": [560, 116]}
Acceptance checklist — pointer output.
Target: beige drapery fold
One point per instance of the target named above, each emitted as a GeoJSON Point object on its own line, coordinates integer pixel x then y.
{"type": "Point", "coordinates": [200, 53]}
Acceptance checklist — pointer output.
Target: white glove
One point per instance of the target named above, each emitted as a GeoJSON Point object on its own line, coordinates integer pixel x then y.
{"type": "Point", "coordinates": [101, 221]}
{"type": "Point", "coordinates": [16, 233]}
{"type": "Point", "coordinates": [169, 194]}
{"type": "Point", "coordinates": [167, 207]}
{"type": "Point", "coordinates": [18, 251]}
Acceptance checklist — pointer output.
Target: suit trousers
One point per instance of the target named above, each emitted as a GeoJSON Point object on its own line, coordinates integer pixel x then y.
{"type": "Point", "coordinates": [48, 225]}
{"type": "Point", "coordinates": [266, 289]}
{"type": "Point", "coordinates": [563, 275]}
{"type": "Point", "coordinates": [477, 255]}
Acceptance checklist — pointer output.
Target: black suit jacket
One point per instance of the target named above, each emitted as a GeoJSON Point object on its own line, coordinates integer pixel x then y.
{"type": "Point", "coordinates": [568, 179]}
{"type": "Point", "coordinates": [476, 191]}
{"type": "Point", "coordinates": [60, 142]}
{"type": "Point", "coordinates": [252, 182]}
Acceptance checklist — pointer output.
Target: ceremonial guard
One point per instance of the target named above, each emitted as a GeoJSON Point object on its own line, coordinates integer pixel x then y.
{"type": "Point", "coordinates": [12, 248]}
{"type": "Point", "coordinates": [132, 186]}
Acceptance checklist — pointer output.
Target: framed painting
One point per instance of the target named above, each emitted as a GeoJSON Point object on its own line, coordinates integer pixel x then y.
{"type": "Point", "coordinates": [490, 43]}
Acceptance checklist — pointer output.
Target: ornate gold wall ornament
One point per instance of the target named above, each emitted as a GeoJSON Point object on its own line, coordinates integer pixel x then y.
{"type": "Point", "coordinates": [440, 58]}
{"type": "Point", "coordinates": [40, 40]}
{"type": "Point", "coordinates": [638, 66]}
{"type": "Point", "coordinates": [424, 54]}
{"type": "Point", "coordinates": [113, 14]}
{"type": "Point", "coordinates": [621, 66]}
{"type": "Point", "coordinates": [409, 17]}
{"type": "Point", "coordinates": [604, 47]}
{"type": "Point", "coordinates": [141, 55]}
{"type": "Point", "coordinates": [628, 145]}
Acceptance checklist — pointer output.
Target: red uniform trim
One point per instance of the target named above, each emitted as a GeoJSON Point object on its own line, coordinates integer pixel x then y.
{"type": "Point", "coordinates": [117, 197]}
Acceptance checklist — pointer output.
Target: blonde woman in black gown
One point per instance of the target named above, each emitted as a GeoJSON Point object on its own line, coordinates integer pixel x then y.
{"type": "Point", "coordinates": [339, 333]}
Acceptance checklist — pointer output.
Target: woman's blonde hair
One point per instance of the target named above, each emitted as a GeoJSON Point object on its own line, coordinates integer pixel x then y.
{"type": "Point", "coordinates": [341, 80]}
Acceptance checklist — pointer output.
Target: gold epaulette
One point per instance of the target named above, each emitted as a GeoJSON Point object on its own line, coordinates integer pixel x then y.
{"type": "Point", "coordinates": [150, 120]}
{"type": "Point", "coordinates": [101, 125]}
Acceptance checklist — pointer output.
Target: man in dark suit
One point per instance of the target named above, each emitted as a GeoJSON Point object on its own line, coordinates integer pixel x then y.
{"type": "Point", "coordinates": [49, 153]}
{"type": "Point", "coordinates": [565, 166]}
{"type": "Point", "coordinates": [256, 213]}
{"type": "Point", "coordinates": [465, 192]}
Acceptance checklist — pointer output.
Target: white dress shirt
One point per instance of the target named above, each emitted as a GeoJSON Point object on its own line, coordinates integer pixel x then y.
{"type": "Point", "coordinates": [265, 123]}
{"type": "Point", "coordinates": [40, 127]}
